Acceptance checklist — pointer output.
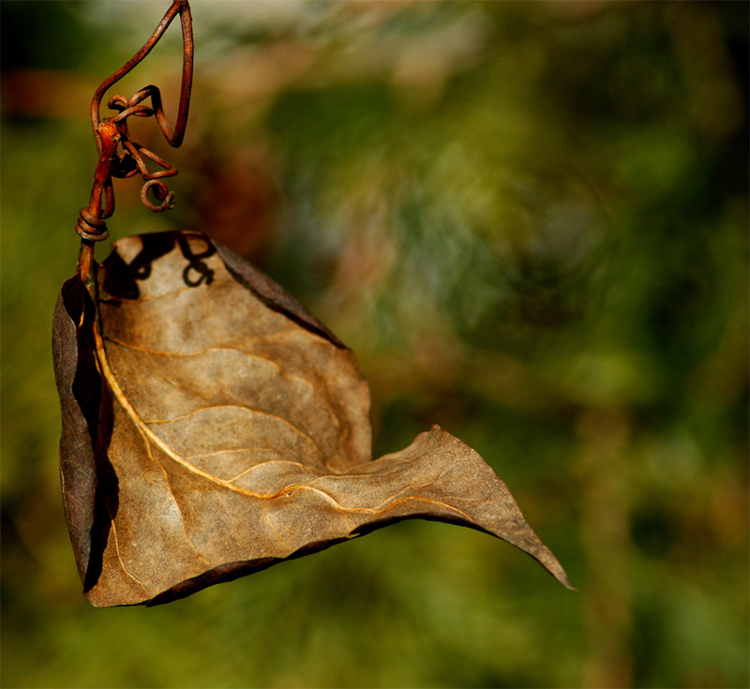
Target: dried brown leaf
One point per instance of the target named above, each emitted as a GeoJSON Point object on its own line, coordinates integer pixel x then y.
{"type": "Point", "coordinates": [212, 427]}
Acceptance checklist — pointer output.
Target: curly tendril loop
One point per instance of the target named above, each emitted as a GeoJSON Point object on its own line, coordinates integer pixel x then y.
{"type": "Point", "coordinates": [162, 193]}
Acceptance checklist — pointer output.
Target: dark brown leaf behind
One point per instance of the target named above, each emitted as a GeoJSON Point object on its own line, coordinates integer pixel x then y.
{"type": "Point", "coordinates": [213, 427]}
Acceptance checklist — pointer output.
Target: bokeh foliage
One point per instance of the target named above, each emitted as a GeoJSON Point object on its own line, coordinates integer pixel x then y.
{"type": "Point", "coordinates": [530, 221]}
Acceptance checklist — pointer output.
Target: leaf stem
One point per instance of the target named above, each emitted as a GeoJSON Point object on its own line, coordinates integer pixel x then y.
{"type": "Point", "coordinates": [86, 263]}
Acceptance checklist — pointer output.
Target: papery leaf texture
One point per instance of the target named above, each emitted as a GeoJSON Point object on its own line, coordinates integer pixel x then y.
{"type": "Point", "coordinates": [213, 427]}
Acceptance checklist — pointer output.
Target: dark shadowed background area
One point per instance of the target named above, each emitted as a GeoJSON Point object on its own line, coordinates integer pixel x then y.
{"type": "Point", "coordinates": [530, 222]}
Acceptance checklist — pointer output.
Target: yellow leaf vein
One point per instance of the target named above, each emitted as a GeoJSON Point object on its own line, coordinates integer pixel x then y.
{"type": "Point", "coordinates": [199, 556]}
{"type": "Point", "coordinates": [250, 355]}
{"type": "Point", "coordinates": [268, 463]}
{"type": "Point", "coordinates": [122, 562]}
{"type": "Point", "coordinates": [236, 406]}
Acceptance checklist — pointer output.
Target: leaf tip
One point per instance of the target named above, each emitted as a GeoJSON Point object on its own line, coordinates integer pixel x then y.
{"type": "Point", "coordinates": [566, 583]}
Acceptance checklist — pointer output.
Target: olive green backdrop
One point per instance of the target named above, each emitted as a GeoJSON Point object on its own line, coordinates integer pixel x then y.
{"type": "Point", "coordinates": [530, 221]}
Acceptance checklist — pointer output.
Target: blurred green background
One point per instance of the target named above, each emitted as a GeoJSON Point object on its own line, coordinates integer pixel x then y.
{"type": "Point", "coordinates": [530, 221]}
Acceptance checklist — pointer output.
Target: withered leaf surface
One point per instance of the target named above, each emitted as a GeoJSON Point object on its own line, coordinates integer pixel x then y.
{"type": "Point", "coordinates": [212, 427]}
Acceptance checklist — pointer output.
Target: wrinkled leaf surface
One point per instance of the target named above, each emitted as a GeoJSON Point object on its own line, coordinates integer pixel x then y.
{"type": "Point", "coordinates": [212, 427]}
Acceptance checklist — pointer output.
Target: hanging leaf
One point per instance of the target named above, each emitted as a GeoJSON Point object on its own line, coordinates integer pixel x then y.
{"type": "Point", "coordinates": [212, 427]}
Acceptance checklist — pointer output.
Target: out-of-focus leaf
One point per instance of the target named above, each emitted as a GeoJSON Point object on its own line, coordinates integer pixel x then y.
{"type": "Point", "coordinates": [212, 427]}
